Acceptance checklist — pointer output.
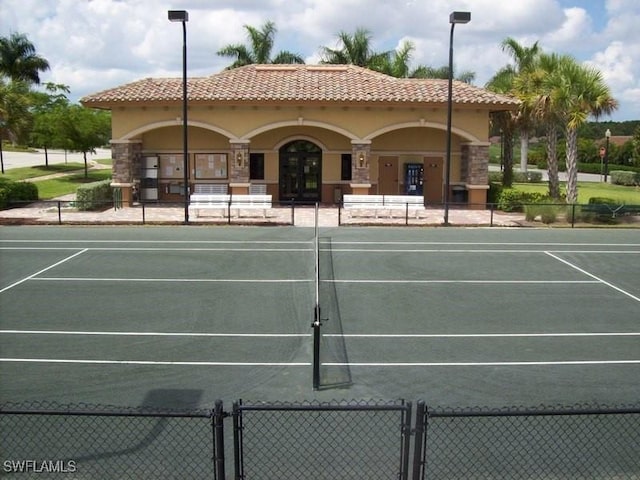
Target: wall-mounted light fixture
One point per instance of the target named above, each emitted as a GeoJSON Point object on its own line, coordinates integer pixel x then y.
{"type": "Point", "coordinates": [361, 159]}
{"type": "Point", "coordinates": [240, 159]}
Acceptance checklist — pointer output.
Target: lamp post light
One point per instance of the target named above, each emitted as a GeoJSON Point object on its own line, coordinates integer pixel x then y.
{"type": "Point", "coordinates": [183, 17]}
{"type": "Point", "coordinates": [454, 17]}
{"type": "Point", "coordinates": [607, 135]}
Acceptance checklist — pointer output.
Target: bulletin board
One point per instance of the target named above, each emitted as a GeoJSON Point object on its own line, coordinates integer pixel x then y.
{"type": "Point", "coordinates": [171, 166]}
{"type": "Point", "coordinates": [211, 165]}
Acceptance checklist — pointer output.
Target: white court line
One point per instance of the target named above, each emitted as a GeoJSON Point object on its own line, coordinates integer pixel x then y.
{"type": "Point", "coordinates": [304, 335]}
{"type": "Point", "coordinates": [489, 282]}
{"type": "Point", "coordinates": [168, 249]}
{"type": "Point", "coordinates": [173, 242]}
{"type": "Point", "coordinates": [30, 277]}
{"type": "Point", "coordinates": [152, 334]}
{"type": "Point", "coordinates": [481, 364]}
{"type": "Point", "coordinates": [555, 244]}
{"type": "Point", "coordinates": [575, 267]}
{"type": "Point", "coordinates": [478, 250]}
{"type": "Point", "coordinates": [170, 280]}
{"type": "Point", "coordinates": [480, 335]}
{"type": "Point", "coordinates": [150, 362]}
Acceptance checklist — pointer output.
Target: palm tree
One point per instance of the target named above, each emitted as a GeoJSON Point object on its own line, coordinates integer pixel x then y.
{"type": "Point", "coordinates": [19, 61]}
{"type": "Point", "coordinates": [578, 91]}
{"type": "Point", "coordinates": [506, 121]}
{"type": "Point", "coordinates": [356, 50]}
{"type": "Point", "coordinates": [442, 73]}
{"type": "Point", "coordinates": [542, 104]}
{"type": "Point", "coordinates": [259, 51]}
{"type": "Point", "coordinates": [525, 58]}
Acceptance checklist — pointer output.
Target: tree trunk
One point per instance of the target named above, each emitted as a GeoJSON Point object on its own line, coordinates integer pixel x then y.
{"type": "Point", "coordinates": [572, 165]}
{"type": "Point", "coordinates": [552, 162]}
{"type": "Point", "coordinates": [524, 149]}
{"type": "Point", "coordinates": [86, 168]}
{"type": "Point", "coordinates": [507, 174]}
{"type": "Point", "coordinates": [46, 157]}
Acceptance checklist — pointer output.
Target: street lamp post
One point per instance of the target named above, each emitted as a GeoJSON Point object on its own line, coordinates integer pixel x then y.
{"type": "Point", "coordinates": [183, 17]}
{"type": "Point", "coordinates": [607, 135]}
{"type": "Point", "coordinates": [454, 17]}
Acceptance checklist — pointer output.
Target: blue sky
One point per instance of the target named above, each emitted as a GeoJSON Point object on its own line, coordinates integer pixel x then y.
{"type": "Point", "coordinates": [97, 44]}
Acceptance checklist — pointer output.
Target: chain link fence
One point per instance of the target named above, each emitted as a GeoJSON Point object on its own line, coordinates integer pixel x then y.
{"type": "Point", "coordinates": [336, 440]}
{"type": "Point", "coordinates": [105, 442]}
{"type": "Point", "coordinates": [356, 440]}
{"type": "Point", "coordinates": [581, 442]}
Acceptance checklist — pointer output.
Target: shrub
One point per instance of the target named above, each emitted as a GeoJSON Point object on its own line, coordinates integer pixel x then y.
{"type": "Point", "coordinates": [628, 178]}
{"type": "Point", "coordinates": [94, 196]}
{"type": "Point", "coordinates": [512, 200]}
{"type": "Point", "coordinates": [527, 177]}
{"type": "Point", "coordinates": [495, 190]}
{"type": "Point", "coordinates": [16, 192]}
{"type": "Point", "coordinates": [495, 177]}
{"type": "Point", "coordinates": [546, 210]}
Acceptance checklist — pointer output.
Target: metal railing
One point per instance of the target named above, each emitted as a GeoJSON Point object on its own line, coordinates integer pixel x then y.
{"type": "Point", "coordinates": [285, 213]}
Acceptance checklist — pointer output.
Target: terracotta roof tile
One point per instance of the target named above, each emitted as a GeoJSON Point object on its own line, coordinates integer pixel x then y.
{"type": "Point", "coordinates": [298, 83]}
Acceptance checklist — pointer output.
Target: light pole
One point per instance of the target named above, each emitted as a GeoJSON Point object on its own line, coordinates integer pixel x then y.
{"type": "Point", "coordinates": [183, 16]}
{"type": "Point", "coordinates": [454, 17]}
{"type": "Point", "coordinates": [607, 135]}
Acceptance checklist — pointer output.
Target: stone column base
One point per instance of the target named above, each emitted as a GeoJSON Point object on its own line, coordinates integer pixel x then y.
{"type": "Point", "coordinates": [360, 188]}
{"type": "Point", "coordinates": [477, 196]}
{"type": "Point", "coordinates": [239, 188]}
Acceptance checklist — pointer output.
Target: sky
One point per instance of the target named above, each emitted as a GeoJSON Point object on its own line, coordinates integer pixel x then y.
{"type": "Point", "coordinates": [93, 45]}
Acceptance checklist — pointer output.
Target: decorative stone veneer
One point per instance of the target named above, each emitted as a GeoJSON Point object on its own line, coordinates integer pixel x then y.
{"type": "Point", "coordinates": [475, 164]}
{"type": "Point", "coordinates": [361, 153]}
{"type": "Point", "coordinates": [126, 161]}
{"type": "Point", "coordinates": [239, 163]}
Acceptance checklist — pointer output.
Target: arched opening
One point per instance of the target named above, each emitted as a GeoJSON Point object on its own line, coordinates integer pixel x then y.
{"type": "Point", "coordinates": [300, 171]}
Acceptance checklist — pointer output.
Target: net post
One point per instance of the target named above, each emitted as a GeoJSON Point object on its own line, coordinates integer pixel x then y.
{"type": "Point", "coordinates": [316, 348]}
{"type": "Point", "coordinates": [316, 309]}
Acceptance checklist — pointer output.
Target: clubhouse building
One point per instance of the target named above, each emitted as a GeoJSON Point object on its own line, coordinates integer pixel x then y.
{"type": "Point", "coordinates": [301, 132]}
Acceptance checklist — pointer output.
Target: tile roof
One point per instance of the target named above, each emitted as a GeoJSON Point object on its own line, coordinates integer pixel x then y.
{"type": "Point", "coordinates": [298, 83]}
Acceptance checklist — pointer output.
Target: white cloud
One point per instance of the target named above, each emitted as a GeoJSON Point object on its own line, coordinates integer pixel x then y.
{"type": "Point", "coordinates": [97, 44]}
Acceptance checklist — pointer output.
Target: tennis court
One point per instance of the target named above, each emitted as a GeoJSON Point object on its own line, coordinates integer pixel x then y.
{"type": "Point", "coordinates": [109, 315]}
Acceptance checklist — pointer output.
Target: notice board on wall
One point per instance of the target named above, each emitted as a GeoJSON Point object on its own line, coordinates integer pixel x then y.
{"type": "Point", "coordinates": [211, 165]}
{"type": "Point", "coordinates": [172, 166]}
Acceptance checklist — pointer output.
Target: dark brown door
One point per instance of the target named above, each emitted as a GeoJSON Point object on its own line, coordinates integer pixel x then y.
{"type": "Point", "coordinates": [433, 180]}
{"type": "Point", "coordinates": [388, 176]}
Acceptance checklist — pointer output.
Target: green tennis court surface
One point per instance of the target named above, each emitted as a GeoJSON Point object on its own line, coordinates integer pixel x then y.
{"type": "Point", "coordinates": [451, 316]}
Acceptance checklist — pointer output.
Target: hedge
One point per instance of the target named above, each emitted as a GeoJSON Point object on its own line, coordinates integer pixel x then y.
{"type": "Point", "coordinates": [94, 196]}
{"type": "Point", "coordinates": [623, 177]}
{"type": "Point", "coordinates": [16, 192]}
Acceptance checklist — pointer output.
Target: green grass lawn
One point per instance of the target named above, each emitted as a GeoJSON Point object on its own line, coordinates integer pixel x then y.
{"type": "Point", "coordinates": [56, 187]}
{"type": "Point", "coordinates": [23, 173]}
{"type": "Point", "coordinates": [587, 190]}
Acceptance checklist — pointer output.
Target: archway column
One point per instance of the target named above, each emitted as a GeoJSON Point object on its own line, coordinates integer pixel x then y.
{"type": "Point", "coordinates": [360, 167]}
{"type": "Point", "coordinates": [475, 173]}
{"type": "Point", "coordinates": [126, 162]}
{"type": "Point", "coordinates": [239, 167]}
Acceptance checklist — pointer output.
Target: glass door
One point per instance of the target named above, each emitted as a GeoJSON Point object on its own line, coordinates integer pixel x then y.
{"type": "Point", "coordinates": [300, 172]}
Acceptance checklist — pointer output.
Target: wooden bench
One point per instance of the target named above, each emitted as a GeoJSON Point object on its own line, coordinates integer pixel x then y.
{"type": "Point", "coordinates": [251, 202]}
{"type": "Point", "coordinates": [199, 201]}
{"type": "Point", "coordinates": [359, 204]}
